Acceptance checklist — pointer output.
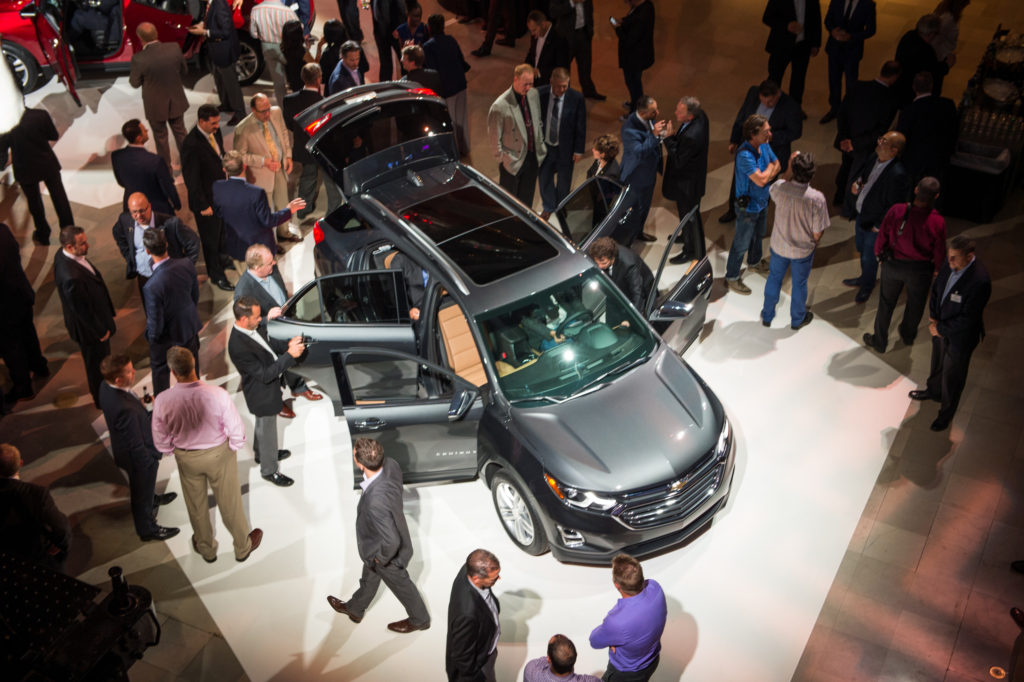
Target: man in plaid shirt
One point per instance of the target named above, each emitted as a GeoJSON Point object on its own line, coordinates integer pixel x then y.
{"type": "Point", "coordinates": [265, 22]}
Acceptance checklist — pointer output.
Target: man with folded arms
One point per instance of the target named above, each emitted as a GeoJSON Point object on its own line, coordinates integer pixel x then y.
{"type": "Point", "coordinates": [632, 629]}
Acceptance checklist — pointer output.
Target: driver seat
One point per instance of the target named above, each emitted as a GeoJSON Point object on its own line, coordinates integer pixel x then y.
{"type": "Point", "coordinates": [459, 345]}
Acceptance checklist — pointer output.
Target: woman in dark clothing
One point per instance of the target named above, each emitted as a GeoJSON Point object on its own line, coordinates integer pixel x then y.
{"type": "Point", "coordinates": [293, 47]}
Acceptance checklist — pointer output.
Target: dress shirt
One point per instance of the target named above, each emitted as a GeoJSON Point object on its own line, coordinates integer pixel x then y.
{"type": "Point", "coordinates": [554, 120]}
{"type": "Point", "coordinates": [540, 46]}
{"type": "Point", "coordinates": [267, 19]}
{"type": "Point", "coordinates": [765, 110]}
{"type": "Point", "coordinates": [255, 336]}
{"type": "Point", "coordinates": [196, 416]}
{"type": "Point", "coordinates": [850, 6]}
{"type": "Point", "coordinates": [142, 260]}
{"type": "Point", "coordinates": [368, 478]}
{"type": "Point", "coordinates": [271, 286]}
{"type": "Point", "coordinates": [633, 627]}
{"type": "Point", "coordinates": [81, 261]}
{"type": "Point", "coordinates": [581, 20]}
{"type": "Point", "coordinates": [923, 238]}
{"type": "Point", "coordinates": [485, 594]}
{"type": "Point", "coordinates": [954, 276]}
{"type": "Point", "coordinates": [876, 170]}
{"type": "Point", "coordinates": [801, 13]}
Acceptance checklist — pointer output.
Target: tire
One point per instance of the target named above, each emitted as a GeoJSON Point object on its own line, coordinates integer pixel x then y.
{"type": "Point", "coordinates": [251, 63]}
{"type": "Point", "coordinates": [518, 516]}
{"type": "Point", "coordinates": [27, 73]}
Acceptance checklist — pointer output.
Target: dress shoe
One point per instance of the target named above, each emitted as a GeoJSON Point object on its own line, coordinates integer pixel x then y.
{"type": "Point", "coordinates": [507, 42]}
{"type": "Point", "coordinates": [286, 412]}
{"type": "Point", "coordinates": [224, 285]}
{"type": "Point", "coordinates": [873, 343]}
{"type": "Point", "coordinates": [342, 607]}
{"type": "Point", "coordinates": [290, 238]}
{"type": "Point", "coordinates": [235, 120]}
{"type": "Point", "coordinates": [308, 394]}
{"type": "Point", "coordinates": [595, 96]}
{"type": "Point", "coordinates": [279, 479]}
{"type": "Point", "coordinates": [405, 626]}
{"type": "Point", "coordinates": [738, 286]}
{"type": "Point", "coordinates": [42, 240]}
{"type": "Point", "coordinates": [920, 395]}
{"type": "Point", "coordinates": [481, 52]}
{"type": "Point", "coordinates": [223, 108]}
{"type": "Point", "coordinates": [765, 323]}
{"type": "Point", "coordinates": [544, 215]}
{"type": "Point", "coordinates": [161, 533]}
{"type": "Point", "coordinates": [907, 340]}
{"type": "Point", "coordinates": [681, 258]}
{"type": "Point", "coordinates": [727, 217]}
{"type": "Point", "coordinates": [281, 454]}
{"type": "Point", "coordinates": [195, 546]}
{"type": "Point", "coordinates": [255, 538]}
{"type": "Point", "coordinates": [939, 425]}
{"type": "Point", "coordinates": [279, 250]}
{"type": "Point", "coordinates": [851, 282]}
{"type": "Point", "coordinates": [228, 264]}
{"type": "Point", "coordinates": [1015, 613]}
{"type": "Point", "coordinates": [1017, 566]}
{"type": "Point", "coordinates": [862, 296]}
{"type": "Point", "coordinates": [803, 114]}
{"type": "Point", "coordinates": [646, 237]}
{"type": "Point", "coordinates": [762, 266]}
{"type": "Point", "coordinates": [828, 118]}
{"type": "Point", "coordinates": [166, 498]}
{"type": "Point", "coordinates": [806, 321]}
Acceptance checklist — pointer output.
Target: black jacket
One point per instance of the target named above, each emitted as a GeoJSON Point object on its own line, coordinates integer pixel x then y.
{"type": "Point", "coordinates": [382, 534]}
{"type": "Point", "coordinates": [866, 114]}
{"type": "Point", "coordinates": [572, 129]}
{"type": "Point", "coordinates": [563, 13]}
{"type": "Point", "coordinates": [261, 373]}
{"type": "Point", "coordinates": [182, 241]}
{"type": "Point", "coordinates": [201, 166]}
{"type": "Point", "coordinates": [930, 126]}
{"type": "Point", "coordinates": [295, 104]}
{"type": "Point", "coordinates": [860, 26]}
{"type": "Point", "coordinates": [555, 53]}
{"type": "Point", "coordinates": [139, 170]}
{"type": "Point", "coordinates": [786, 121]}
{"type": "Point", "coordinates": [778, 14]}
{"type": "Point", "coordinates": [636, 38]}
{"type": "Point", "coordinates": [171, 296]}
{"type": "Point", "coordinates": [30, 523]}
{"type": "Point", "coordinates": [471, 631]}
{"type": "Point", "coordinates": [88, 310]}
{"type": "Point", "coordinates": [959, 315]}
{"type": "Point", "coordinates": [916, 55]}
{"type": "Point", "coordinates": [686, 161]}
{"type": "Point", "coordinates": [445, 56]}
{"type": "Point", "coordinates": [892, 187]}
{"type": "Point", "coordinates": [129, 423]}
{"type": "Point", "coordinates": [29, 142]}
{"type": "Point", "coordinates": [247, 285]}
{"type": "Point", "coordinates": [631, 275]}
{"type": "Point", "coordinates": [428, 78]}
{"type": "Point", "coordinates": [18, 296]}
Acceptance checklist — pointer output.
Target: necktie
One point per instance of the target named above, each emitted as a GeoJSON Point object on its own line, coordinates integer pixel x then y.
{"type": "Point", "coordinates": [848, 12]}
{"type": "Point", "coordinates": [269, 139]}
{"type": "Point", "coordinates": [213, 143]}
{"type": "Point", "coordinates": [553, 122]}
{"type": "Point", "coordinates": [528, 120]}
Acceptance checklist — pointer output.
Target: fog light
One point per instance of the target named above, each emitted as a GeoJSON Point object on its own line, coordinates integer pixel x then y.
{"type": "Point", "coordinates": [571, 537]}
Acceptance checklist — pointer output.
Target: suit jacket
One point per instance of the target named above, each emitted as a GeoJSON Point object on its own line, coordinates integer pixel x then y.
{"type": "Point", "coordinates": [507, 129]}
{"type": "Point", "coordinates": [428, 78]}
{"type": "Point", "coordinates": [249, 140]}
{"type": "Point", "coordinates": [88, 310]}
{"type": "Point", "coordinates": [131, 434]}
{"type": "Point", "coordinates": [555, 53]}
{"type": "Point", "coordinates": [139, 170]}
{"type": "Point", "coordinates": [444, 55]}
{"type": "Point", "coordinates": [29, 142]}
{"type": "Point", "coordinates": [182, 241]}
{"type": "Point", "coordinates": [391, 14]}
{"type": "Point", "coordinates": [201, 166]}
{"type": "Point", "coordinates": [786, 121]}
{"type": "Point", "coordinates": [960, 321]}
{"type": "Point", "coordinates": [222, 44]}
{"type": "Point", "coordinates": [641, 153]}
{"type": "Point", "coordinates": [30, 522]}
{"type": "Point", "coordinates": [382, 534]}
{"type": "Point", "coordinates": [412, 274]}
{"type": "Point", "coordinates": [563, 13]}
{"type": "Point", "coordinates": [260, 371]}
{"type": "Point", "coordinates": [171, 296]}
{"type": "Point", "coordinates": [860, 26]}
{"type": "Point", "coordinates": [632, 276]}
{"type": "Point", "coordinates": [341, 79]}
{"type": "Point", "coordinates": [18, 297]}
{"type": "Point", "coordinates": [158, 69]}
{"type": "Point", "coordinates": [892, 187]}
{"type": "Point", "coordinates": [471, 631]}
{"type": "Point", "coordinates": [916, 55]}
{"type": "Point", "coordinates": [572, 129]}
{"type": "Point", "coordinates": [865, 115]}
{"type": "Point", "coordinates": [778, 14]}
{"type": "Point", "coordinates": [295, 104]}
{"type": "Point", "coordinates": [636, 38]}
{"type": "Point", "coordinates": [248, 285]}
{"type": "Point", "coordinates": [930, 126]}
{"type": "Point", "coordinates": [246, 214]}
{"type": "Point", "coordinates": [686, 161]}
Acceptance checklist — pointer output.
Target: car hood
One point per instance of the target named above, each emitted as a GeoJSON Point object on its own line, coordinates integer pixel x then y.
{"type": "Point", "coordinates": [645, 428]}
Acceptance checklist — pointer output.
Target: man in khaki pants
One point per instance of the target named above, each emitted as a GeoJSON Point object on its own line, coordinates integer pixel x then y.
{"type": "Point", "coordinates": [201, 426]}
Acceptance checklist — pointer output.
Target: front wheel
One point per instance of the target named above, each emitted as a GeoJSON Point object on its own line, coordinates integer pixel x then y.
{"type": "Point", "coordinates": [24, 66]}
{"type": "Point", "coordinates": [517, 514]}
{"type": "Point", "coordinates": [250, 64]}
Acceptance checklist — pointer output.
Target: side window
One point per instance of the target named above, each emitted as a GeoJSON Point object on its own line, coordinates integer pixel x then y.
{"type": "Point", "coordinates": [587, 208]}
{"type": "Point", "coordinates": [367, 297]}
{"type": "Point", "coordinates": [379, 379]}
{"type": "Point", "coordinates": [307, 308]}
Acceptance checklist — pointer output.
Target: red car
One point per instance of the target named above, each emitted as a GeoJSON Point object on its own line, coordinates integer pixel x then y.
{"type": "Point", "coordinates": [40, 37]}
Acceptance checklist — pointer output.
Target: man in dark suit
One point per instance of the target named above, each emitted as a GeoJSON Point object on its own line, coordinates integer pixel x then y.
{"type": "Point", "coordinates": [131, 442]}
{"type": "Point", "coordinates": [444, 55]}
{"type": "Point", "coordinates": [245, 210]}
{"type": "Point", "coordinates": [548, 49]}
{"type": "Point", "coordinates": [865, 115]}
{"type": "Point", "coordinates": [413, 59]}
{"type": "Point", "coordinates": [686, 169]}
{"type": "Point", "coordinates": [498, 13]}
{"type": "Point", "coordinates": [959, 295]}
{"type": "Point", "coordinates": [172, 318]}
{"type": "Point", "coordinates": [348, 73]}
{"type": "Point", "coordinates": [19, 343]}
{"type": "Point", "coordinates": [471, 648]}
{"type": "Point", "coordinates": [879, 182]}
{"type": "Point", "coordinates": [916, 54]}
{"type": "Point", "coordinates": [574, 21]}
{"type": "Point", "coordinates": [157, 68]}
{"type": "Point", "coordinates": [627, 270]}
{"type": "Point", "coordinates": [201, 166]}
{"type": "Point", "coordinates": [262, 365]}
{"type": "Point", "coordinates": [34, 162]}
{"type": "Point", "coordinates": [849, 23]}
{"type": "Point", "coordinates": [139, 170]}
{"type": "Point", "coordinates": [223, 49]}
{"type": "Point", "coordinates": [565, 133]}
{"type": "Point", "coordinates": [31, 526]}
{"type": "Point", "coordinates": [795, 37]}
{"type": "Point", "coordinates": [383, 539]}
{"type": "Point", "coordinates": [641, 164]}
{"type": "Point", "coordinates": [636, 46]}
{"type": "Point", "coordinates": [140, 216]}
{"type": "Point", "coordinates": [309, 178]}
{"type": "Point", "coordinates": [387, 16]}
{"type": "Point", "coordinates": [88, 310]}
{"type": "Point", "coordinates": [784, 117]}
{"type": "Point", "coordinates": [930, 125]}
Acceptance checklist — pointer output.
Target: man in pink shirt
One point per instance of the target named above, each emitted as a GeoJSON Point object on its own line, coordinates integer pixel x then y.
{"type": "Point", "coordinates": [201, 426]}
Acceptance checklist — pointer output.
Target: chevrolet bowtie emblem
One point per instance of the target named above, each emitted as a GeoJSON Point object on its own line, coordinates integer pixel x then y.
{"type": "Point", "coordinates": [677, 486]}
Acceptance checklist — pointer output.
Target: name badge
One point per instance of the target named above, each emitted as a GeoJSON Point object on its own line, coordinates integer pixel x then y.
{"type": "Point", "coordinates": [955, 298]}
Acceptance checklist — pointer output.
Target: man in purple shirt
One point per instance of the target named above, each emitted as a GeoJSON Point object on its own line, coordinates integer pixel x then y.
{"type": "Point", "coordinates": [200, 424]}
{"type": "Point", "coordinates": [558, 665]}
{"type": "Point", "coordinates": [632, 629]}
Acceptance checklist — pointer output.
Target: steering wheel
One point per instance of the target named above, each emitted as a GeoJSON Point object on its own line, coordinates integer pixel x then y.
{"type": "Point", "coordinates": [574, 322]}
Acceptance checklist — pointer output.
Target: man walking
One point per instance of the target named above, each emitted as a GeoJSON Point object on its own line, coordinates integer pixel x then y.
{"type": "Point", "coordinates": [641, 164]}
{"type": "Point", "coordinates": [200, 425]}
{"type": "Point", "coordinates": [958, 298]}
{"type": "Point", "coordinates": [849, 23]}
{"type": "Point", "coordinates": [223, 48]}
{"type": "Point", "coordinates": [265, 22]}
{"type": "Point", "coordinates": [309, 178]}
{"type": "Point", "coordinates": [574, 20]}
{"type": "Point", "coordinates": [686, 169]}
{"type": "Point", "coordinates": [139, 170]}
{"type": "Point", "coordinates": [471, 648]}
{"type": "Point", "coordinates": [801, 216]}
{"type": "Point", "coordinates": [517, 136]}
{"type": "Point", "coordinates": [632, 629]}
{"type": "Point", "coordinates": [157, 68]}
{"type": "Point", "coordinates": [383, 539]}
{"type": "Point", "coordinates": [636, 47]}
{"type": "Point", "coordinates": [565, 135]}
{"type": "Point", "coordinates": [914, 238]}
{"type": "Point", "coordinates": [795, 37]}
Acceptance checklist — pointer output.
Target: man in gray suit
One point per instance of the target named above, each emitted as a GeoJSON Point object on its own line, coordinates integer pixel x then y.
{"type": "Point", "coordinates": [515, 130]}
{"type": "Point", "coordinates": [382, 537]}
{"type": "Point", "coordinates": [157, 68]}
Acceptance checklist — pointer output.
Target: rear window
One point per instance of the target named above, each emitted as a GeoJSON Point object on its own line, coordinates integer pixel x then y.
{"type": "Point", "coordinates": [382, 127]}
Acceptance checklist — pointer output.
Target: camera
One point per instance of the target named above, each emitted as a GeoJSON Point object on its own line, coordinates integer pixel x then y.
{"type": "Point", "coordinates": [742, 202]}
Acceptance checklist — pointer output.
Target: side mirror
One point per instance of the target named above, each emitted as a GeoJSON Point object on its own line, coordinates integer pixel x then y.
{"type": "Point", "coordinates": [461, 402]}
{"type": "Point", "coordinates": [672, 310]}
{"type": "Point", "coordinates": [29, 11]}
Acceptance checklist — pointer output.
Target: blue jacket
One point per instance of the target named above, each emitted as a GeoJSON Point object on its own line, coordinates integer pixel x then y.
{"type": "Point", "coordinates": [222, 43]}
{"type": "Point", "coordinates": [641, 154]}
{"type": "Point", "coordinates": [445, 56]}
{"type": "Point", "coordinates": [246, 214]}
{"type": "Point", "coordinates": [171, 296]}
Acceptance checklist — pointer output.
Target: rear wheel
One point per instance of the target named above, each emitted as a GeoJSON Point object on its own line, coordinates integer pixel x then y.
{"type": "Point", "coordinates": [517, 514]}
{"type": "Point", "coordinates": [24, 66]}
{"type": "Point", "coordinates": [249, 66]}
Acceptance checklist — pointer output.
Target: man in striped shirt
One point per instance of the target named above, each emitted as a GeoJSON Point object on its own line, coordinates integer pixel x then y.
{"type": "Point", "coordinates": [265, 22]}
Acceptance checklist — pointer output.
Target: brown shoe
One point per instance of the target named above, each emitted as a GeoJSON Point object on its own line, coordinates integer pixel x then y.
{"type": "Point", "coordinates": [406, 626]}
{"type": "Point", "coordinates": [308, 394]}
{"type": "Point", "coordinates": [342, 607]}
{"type": "Point", "coordinates": [255, 538]}
{"type": "Point", "coordinates": [286, 412]}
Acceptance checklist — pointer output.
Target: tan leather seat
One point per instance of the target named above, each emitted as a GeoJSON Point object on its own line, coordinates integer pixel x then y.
{"type": "Point", "coordinates": [459, 345]}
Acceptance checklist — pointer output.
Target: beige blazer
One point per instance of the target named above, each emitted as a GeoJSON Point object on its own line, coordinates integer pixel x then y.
{"type": "Point", "coordinates": [250, 142]}
{"type": "Point", "coordinates": [507, 130]}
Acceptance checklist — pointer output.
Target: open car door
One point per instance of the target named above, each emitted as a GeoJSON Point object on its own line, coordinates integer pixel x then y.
{"type": "Point", "coordinates": [56, 50]}
{"type": "Point", "coordinates": [592, 210]}
{"type": "Point", "coordinates": [687, 298]}
{"type": "Point", "coordinates": [425, 416]}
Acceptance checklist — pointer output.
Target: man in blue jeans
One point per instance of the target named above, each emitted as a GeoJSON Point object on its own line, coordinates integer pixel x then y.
{"type": "Point", "coordinates": [801, 216]}
{"type": "Point", "coordinates": [756, 167]}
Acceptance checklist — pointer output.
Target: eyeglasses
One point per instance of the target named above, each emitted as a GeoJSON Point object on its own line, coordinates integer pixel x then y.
{"type": "Point", "coordinates": [262, 111]}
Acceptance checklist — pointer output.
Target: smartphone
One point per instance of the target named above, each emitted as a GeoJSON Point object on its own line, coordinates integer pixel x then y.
{"type": "Point", "coordinates": [613, 21]}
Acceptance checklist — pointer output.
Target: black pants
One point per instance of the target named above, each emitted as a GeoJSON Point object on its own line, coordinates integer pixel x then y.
{"type": "Point", "coordinates": [799, 56]}
{"type": "Point", "coordinates": [916, 276]}
{"type": "Point", "coordinates": [523, 183]}
{"type": "Point", "coordinates": [385, 44]}
{"type": "Point", "coordinates": [34, 197]}
{"type": "Point", "coordinates": [842, 64]}
{"type": "Point", "coordinates": [555, 179]}
{"type": "Point", "coordinates": [580, 50]}
{"type": "Point", "coordinates": [691, 235]}
{"type": "Point", "coordinates": [19, 347]}
{"type": "Point", "coordinates": [92, 356]}
{"type": "Point", "coordinates": [158, 361]}
{"type": "Point", "coordinates": [141, 469]}
{"type": "Point", "coordinates": [634, 225]}
{"type": "Point", "coordinates": [948, 375]}
{"type": "Point", "coordinates": [503, 9]}
{"type": "Point", "coordinates": [398, 581]}
{"type": "Point", "coordinates": [309, 185]}
{"type": "Point", "coordinates": [612, 674]}
{"type": "Point", "coordinates": [635, 86]}
{"type": "Point", "coordinates": [211, 235]}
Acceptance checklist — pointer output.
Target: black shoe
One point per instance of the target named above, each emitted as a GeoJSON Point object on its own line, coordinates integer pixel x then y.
{"type": "Point", "coordinates": [281, 454]}
{"type": "Point", "coordinates": [828, 118]}
{"type": "Point", "coordinates": [939, 425]}
{"type": "Point", "coordinates": [280, 479]}
{"type": "Point", "coordinates": [235, 120]}
{"type": "Point", "coordinates": [806, 321]}
{"type": "Point", "coordinates": [507, 42]}
{"type": "Point", "coordinates": [166, 498]}
{"type": "Point", "coordinates": [871, 342]}
{"type": "Point", "coordinates": [228, 264]}
{"type": "Point", "coordinates": [920, 395]}
{"type": "Point", "coordinates": [342, 607]}
{"type": "Point", "coordinates": [595, 95]}
{"type": "Point", "coordinates": [765, 323]}
{"type": "Point", "coordinates": [803, 114]}
{"type": "Point", "coordinates": [683, 257]}
{"type": "Point", "coordinates": [852, 282]}
{"type": "Point", "coordinates": [42, 240]}
{"type": "Point", "coordinates": [481, 52]}
{"type": "Point", "coordinates": [727, 217]}
{"type": "Point", "coordinates": [224, 285]}
{"type": "Point", "coordinates": [406, 626]}
{"type": "Point", "coordinates": [195, 546]}
{"type": "Point", "coordinates": [224, 108]}
{"type": "Point", "coordinates": [646, 237]}
{"type": "Point", "coordinates": [907, 341]}
{"type": "Point", "coordinates": [862, 296]}
{"type": "Point", "coordinates": [161, 533]}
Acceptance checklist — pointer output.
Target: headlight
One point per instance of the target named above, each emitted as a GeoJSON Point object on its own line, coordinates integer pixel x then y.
{"type": "Point", "coordinates": [581, 499]}
{"type": "Point", "coordinates": [724, 438]}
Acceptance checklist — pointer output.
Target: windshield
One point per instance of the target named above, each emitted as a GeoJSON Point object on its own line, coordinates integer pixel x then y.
{"type": "Point", "coordinates": [564, 341]}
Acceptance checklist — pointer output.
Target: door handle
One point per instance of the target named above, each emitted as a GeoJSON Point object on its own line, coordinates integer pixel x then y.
{"type": "Point", "coordinates": [704, 283]}
{"type": "Point", "coordinates": [371, 424]}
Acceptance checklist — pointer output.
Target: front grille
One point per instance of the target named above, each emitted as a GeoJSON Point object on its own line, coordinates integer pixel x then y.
{"type": "Point", "coordinates": [672, 501]}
